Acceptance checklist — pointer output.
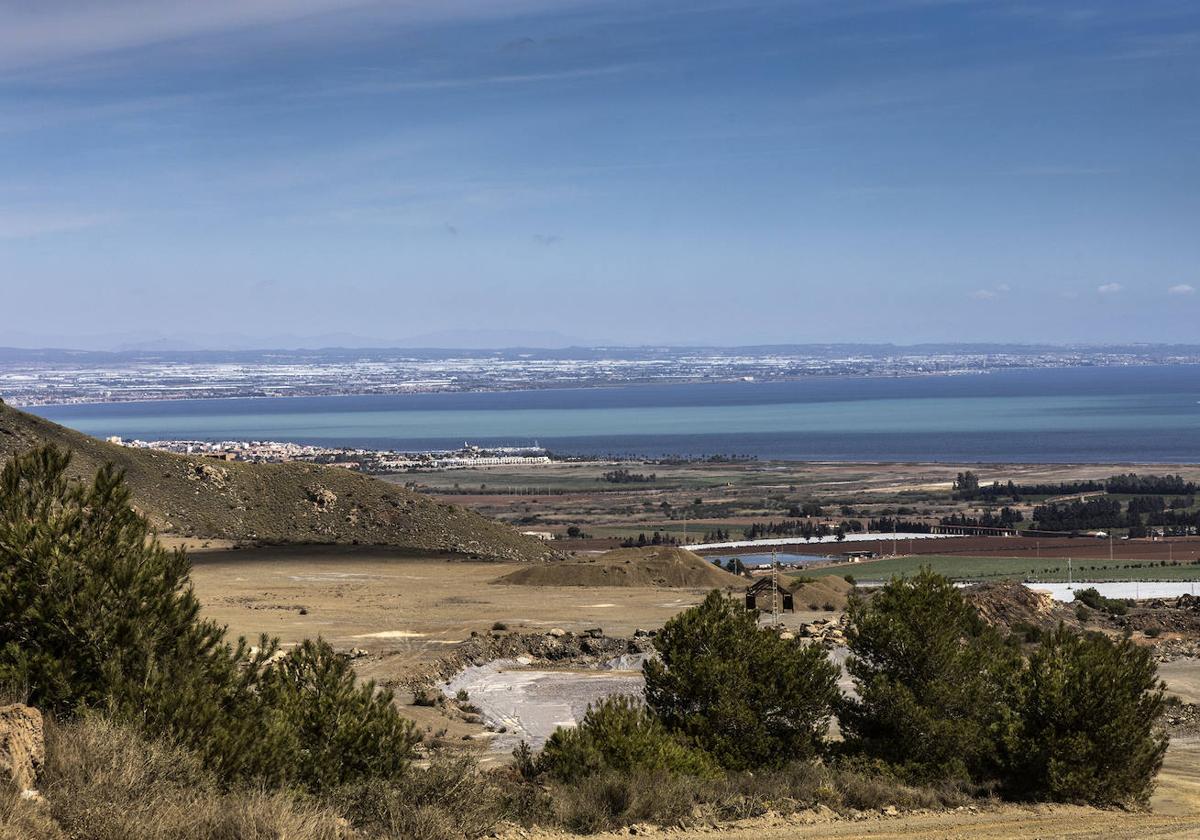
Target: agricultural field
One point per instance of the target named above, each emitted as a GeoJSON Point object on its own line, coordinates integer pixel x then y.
{"type": "Point", "coordinates": [587, 507]}
{"type": "Point", "coordinates": [976, 568]}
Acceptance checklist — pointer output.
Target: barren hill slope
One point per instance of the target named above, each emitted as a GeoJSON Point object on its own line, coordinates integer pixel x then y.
{"type": "Point", "coordinates": [276, 503]}
{"type": "Point", "coordinates": [662, 566]}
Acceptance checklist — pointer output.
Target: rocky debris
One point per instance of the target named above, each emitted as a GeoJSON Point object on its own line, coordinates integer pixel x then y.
{"type": "Point", "coordinates": [538, 649]}
{"type": "Point", "coordinates": [1183, 719]}
{"type": "Point", "coordinates": [830, 633]}
{"type": "Point", "coordinates": [1188, 602]}
{"type": "Point", "coordinates": [216, 476]}
{"type": "Point", "coordinates": [22, 746]}
{"type": "Point", "coordinates": [1158, 620]}
{"type": "Point", "coordinates": [322, 498]}
{"type": "Point", "coordinates": [1168, 650]}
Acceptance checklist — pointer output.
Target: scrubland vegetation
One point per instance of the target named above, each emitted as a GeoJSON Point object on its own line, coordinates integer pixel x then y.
{"type": "Point", "coordinates": [160, 727]}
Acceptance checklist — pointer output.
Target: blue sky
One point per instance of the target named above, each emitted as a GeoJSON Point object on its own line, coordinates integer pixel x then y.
{"type": "Point", "coordinates": [688, 172]}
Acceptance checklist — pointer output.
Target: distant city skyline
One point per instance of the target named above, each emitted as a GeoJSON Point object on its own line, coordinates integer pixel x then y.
{"type": "Point", "coordinates": [248, 173]}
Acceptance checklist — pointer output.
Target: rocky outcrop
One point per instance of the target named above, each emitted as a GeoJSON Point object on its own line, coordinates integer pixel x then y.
{"type": "Point", "coordinates": [556, 647]}
{"type": "Point", "coordinates": [22, 745]}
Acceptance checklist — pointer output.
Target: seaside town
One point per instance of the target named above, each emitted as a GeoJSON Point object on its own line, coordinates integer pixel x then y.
{"type": "Point", "coordinates": [361, 460]}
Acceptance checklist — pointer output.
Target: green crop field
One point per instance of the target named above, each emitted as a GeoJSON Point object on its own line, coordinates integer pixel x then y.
{"type": "Point", "coordinates": [1011, 568]}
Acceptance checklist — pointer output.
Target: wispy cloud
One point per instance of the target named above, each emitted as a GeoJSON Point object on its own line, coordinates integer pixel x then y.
{"type": "Point", "coordinates": [55, 30]}
{"type": "Point", "coordinates": [1109, 288]}
{"type": "Point", "coordinates": [994, 293]}
{"type": "Point", "coordinates": [1182, 289]}
{"type": "Point", "coordinates": [377, 86]}
{"type": "Point", "coordinates": [28, 224]}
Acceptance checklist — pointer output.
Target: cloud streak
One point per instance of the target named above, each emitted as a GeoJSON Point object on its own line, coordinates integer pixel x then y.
{"type": "Point", "coordinates": [27, 225]}
{"type": "Point", "coordinates": [55, 30]}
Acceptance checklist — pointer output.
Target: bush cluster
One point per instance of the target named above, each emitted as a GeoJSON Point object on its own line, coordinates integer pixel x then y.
{"type": "Point", "coordinates": [942, 700]}
{"type": "Point", "coordinates": [941, 696]}
{"type": "Point", "coordinates": [96, 614]}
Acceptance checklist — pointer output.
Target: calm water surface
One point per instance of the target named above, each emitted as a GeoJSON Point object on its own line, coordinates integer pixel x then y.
{"type": "Point", "coordinates": [1137, 414]}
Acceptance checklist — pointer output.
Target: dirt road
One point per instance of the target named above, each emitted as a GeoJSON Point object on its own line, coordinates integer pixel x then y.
{"type": "Point", "coordinates": [1035, 823]}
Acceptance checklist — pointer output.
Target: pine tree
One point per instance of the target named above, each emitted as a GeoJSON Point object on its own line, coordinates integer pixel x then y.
{"type": "Point", "coordinates": [744, 695]}
{"type": "Point", "coordinates": [934, 682]}
{"type": "Point", "coordinates": [96, 613]}
{"type": "Point", "coordinates": [1088, 729]}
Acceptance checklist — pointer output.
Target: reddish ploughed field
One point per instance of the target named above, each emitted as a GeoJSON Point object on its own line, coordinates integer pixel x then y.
{"type": "Point", "coordinates": [1176, 548]}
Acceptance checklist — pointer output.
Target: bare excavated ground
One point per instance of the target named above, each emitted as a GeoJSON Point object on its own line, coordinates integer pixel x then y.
{"type": "Point", "coordinates": [403, 612]}
{"type": "Point", "coordinates": [1007, 823]}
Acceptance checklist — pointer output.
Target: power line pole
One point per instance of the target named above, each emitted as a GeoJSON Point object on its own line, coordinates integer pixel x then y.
{"type": "Point", "coordinates": [774, 590]}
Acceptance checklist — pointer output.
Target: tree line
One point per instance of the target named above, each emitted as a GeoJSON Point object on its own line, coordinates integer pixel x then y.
{"type": "Point", "coordinates": [968, 488]}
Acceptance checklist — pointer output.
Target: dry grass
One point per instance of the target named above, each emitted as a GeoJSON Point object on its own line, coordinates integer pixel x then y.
{"type": "Point", "coordinates": [104, 782]}
{"type": "Point", "coordinates": [610, 801]}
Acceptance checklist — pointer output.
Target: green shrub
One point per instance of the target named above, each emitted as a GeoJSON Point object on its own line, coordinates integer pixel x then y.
{"type": "Point", "coordinates": [619, 733]}
{"type": "Point", "coordinates": [744, 695]}
{"type": "Point", "coordinates": [1091, 597]}
{"type": "Point", "coordinates": [934, 682]}
{"type": "Point", "coordinates": [95, 613]}
{"type": "Point", "coordinates": [340, 731]}
{"type": "Point", "coordinates": [1088, 725]}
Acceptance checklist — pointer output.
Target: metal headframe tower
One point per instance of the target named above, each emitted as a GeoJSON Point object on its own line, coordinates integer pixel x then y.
{"type": "Point", "coordinates": [774, 589]}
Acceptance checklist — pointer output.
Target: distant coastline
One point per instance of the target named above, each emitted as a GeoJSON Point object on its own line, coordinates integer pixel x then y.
{"type": "Point", "coordinates": [1091, 414]}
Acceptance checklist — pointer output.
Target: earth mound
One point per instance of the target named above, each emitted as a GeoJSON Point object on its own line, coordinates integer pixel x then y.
{"type": "Point", "coordinates": [189, 496]}
{"type": "Point", "coordinates": [1007, 603]}
{"type": "Point", "coordinates": [656, 566]}
{"type": "Point", "coordinates": [817, 593]}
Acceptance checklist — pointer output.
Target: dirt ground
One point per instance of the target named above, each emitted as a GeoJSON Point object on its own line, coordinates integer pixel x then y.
{"type": "Point", "coordinates": [1008, 823]}
{"type": "Point", "coordinates": [404, 611]}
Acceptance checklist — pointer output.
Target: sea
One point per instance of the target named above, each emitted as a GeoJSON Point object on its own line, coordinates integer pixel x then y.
{"type": "Point", "coordinates": [1136, 414]}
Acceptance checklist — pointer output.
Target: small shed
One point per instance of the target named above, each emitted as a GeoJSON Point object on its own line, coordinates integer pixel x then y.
{"type": "Point", "coordinates": [758, 596]}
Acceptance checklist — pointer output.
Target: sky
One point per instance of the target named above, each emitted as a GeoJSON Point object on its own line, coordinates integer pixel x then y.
{"type": "Point", "coordinates": [270, 173]}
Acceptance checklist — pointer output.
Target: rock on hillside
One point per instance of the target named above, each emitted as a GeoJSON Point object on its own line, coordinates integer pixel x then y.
{"type": "Point", "coordinates": [22, 745]}
{"type": "Point", "coordinates": [651, 566]}
{"type": "Point", "coordinates": [275, 503]}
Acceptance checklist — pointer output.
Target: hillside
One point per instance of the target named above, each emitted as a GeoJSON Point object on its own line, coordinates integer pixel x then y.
{"type": "Point", "coordinates": [274, 503]}
{"type": "Point", "coordinates": [662, 566]}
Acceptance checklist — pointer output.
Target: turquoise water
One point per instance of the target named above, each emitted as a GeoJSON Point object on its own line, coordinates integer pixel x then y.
{"type": "Point", "coordinates": [1071, 415]}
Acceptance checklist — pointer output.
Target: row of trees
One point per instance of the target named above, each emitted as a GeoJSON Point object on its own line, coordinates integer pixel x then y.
{"type": "Point", "coordinates": [940, 696]}
{"type": "Point", "coordinates": [801, 528]}
{"type": "Point", "coordinates": [624, 476]}
{"type": "Point", "coordinates": [968, 487]}
{"type": "Point", "coordinates": [657, 538]}
{"type": "Point", "coordinates": [1006, 517]}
